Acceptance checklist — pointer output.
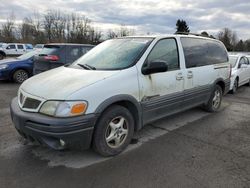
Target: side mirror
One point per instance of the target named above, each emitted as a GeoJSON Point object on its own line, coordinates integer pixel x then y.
{"type": "Point", "coordinates": [154, 67]}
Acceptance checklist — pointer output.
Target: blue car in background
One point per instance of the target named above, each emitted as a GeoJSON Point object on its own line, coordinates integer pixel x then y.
{"type": "Point", "coordinates": [18, 69]}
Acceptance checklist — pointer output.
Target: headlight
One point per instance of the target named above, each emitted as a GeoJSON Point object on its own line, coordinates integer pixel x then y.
{"type": "Point", "coordinates": [4, 66]}
{"type": "Point", "coordinates": [64, 108]}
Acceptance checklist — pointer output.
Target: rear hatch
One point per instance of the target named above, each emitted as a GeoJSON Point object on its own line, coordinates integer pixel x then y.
{"type": "Point", "coordinates": [51, 56]}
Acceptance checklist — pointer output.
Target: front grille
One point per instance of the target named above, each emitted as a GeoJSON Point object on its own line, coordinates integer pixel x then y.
{"type": "Point", "coordinates": [30, 103]}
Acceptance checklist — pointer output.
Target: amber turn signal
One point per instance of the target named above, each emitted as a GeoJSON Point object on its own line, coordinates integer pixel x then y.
{"type": "Point", "coordinates": [78, 108]}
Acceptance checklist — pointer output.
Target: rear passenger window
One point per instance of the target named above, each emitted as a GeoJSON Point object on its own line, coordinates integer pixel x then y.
{"type": "Point", "coordinates": [202, 52]}
{"type": "Point", "coordinates": [73, 53]}
{"type": "Point", "coordinates": [84, 50]}
{"type": "Point", "coordinates": [165, 50]}
{"type": "Point", "coordinates": [20, 46]}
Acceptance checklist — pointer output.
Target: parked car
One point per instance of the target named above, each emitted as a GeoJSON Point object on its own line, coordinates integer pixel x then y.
{"type": "Point", "coordinates": [2, 44]}
{"type": "Point", "coordinates": [119, 86]}
{"type": "Point", "coordinates": [240, 71]}
{"type": "Point", "coordinates": [13, 49]}
{"type": "Point", "coordinates": [56, 55]}
{"type": "Point", "coordinates": [17, 69]}
{"type": "Point", "coordinates": [29, 46]}
{"type": "Point", "coordinates": [39, 46]}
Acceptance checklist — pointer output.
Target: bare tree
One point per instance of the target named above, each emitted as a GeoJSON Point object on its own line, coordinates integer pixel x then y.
{"type": "Point", "coordinates": [229, 38]}
{"type": "Point", "coordinates": [58, 26]}
{"type": "Point", "coordinates": [54, 26]}
{"type": "Point", "coordinates": [27, 30]}
{"type": "Point", "coordinates": [112, 34]}
{"type": "Point", "coordinates": [125, 31]}
{"type": "Point", "coordinates": [8, 29]}
{"type": "Point", "coordinates": [48, 24]}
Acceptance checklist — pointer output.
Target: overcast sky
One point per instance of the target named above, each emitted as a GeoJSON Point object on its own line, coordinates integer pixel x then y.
{"type": "Point", "coordinates": [154, 16]}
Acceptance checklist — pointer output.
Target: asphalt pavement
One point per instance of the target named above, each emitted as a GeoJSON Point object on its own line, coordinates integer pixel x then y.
{"type": "Point", "coordinates": [190, 149]}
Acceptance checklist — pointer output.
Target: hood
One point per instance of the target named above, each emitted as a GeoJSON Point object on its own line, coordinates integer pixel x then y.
{"type": "Point", "coordinates": [10, 60]}
{"type": "Point", "coordinates": [61, 82]}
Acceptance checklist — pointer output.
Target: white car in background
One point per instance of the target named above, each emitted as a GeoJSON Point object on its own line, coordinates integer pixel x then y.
{"type": "Point", "coordinates": [240, 71]}
{"type": "Point", "coordinates": [14, 49]}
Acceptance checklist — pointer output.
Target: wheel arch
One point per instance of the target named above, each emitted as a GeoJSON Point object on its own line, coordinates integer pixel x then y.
{"type": "Point", "coordinates": [221, 82]}
{"type": "Point", "coordinates": [20, 68]}
{"type": "Point", "coordinates": [126, 101]}
{"type": "Point", "coordinates": [3, 53]}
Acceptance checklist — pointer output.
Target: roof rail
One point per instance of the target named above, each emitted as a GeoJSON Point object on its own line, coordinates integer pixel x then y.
{"type": "Point", "coordinates": [187, 33]}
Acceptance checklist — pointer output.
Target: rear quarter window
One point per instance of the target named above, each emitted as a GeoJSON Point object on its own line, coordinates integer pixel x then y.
{"type": "Point", "coordinates": [50, 49]}
{"type": "Point", "coordinates": [202, 52]}
{"type": "Point", "coordinates": [85, 49]}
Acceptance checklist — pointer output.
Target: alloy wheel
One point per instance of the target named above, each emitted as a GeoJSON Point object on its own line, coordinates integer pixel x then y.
{"type": "Point", "coordinates": [216, 99]}
{"type": "Point", "coordinates": [21, 76]}
{"type": "Point", "coordinates": [116, 132]}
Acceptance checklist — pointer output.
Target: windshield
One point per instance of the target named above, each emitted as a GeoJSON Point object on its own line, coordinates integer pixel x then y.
{"type": "Point", "coordinates": [114, 54]}
{"type": "Point", "coordinates": [28, 55]}
{"type": "Point", "coordinates": [233, 60]}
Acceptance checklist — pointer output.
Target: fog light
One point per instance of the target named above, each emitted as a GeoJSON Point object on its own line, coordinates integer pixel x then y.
{"type": "Point", "coordinates": [62, 143]}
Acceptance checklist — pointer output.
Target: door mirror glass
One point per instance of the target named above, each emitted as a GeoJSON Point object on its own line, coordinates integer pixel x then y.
{"type": "Point", "coordinates": [154, 67]}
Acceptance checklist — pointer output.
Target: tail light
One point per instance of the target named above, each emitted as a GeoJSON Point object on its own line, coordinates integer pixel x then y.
{"type": "Point", "coordinates": [51, 57]}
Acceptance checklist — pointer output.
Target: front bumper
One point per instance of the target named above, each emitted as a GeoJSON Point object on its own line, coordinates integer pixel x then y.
{"type": "Point", "coordinates": [57, 133]}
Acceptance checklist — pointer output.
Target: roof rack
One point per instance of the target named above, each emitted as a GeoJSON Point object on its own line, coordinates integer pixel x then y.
{"type": "Point", "coordinates": [187, 33]}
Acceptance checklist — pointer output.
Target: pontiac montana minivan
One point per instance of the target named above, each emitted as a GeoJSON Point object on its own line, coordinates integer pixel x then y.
{"type": "Point", "coordinates": [119, 86]}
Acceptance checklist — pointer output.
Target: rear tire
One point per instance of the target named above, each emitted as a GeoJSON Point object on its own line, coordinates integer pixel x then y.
{"type": "Point", "coordinates": [113, 131]}
{"type": "Point", "coordinates": [20, 76]}
{"type": "Point", "coordinates": [214, 102]}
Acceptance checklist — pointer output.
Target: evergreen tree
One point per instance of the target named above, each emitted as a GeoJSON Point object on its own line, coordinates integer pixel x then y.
{"type": "Point", "coordinates": [181, 26]}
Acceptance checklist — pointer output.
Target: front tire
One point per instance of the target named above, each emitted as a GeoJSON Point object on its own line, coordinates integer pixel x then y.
{"type": "Point", "coordinates": [20, 76]}
{"type": "Point", "coordinates": [214, 102]}
{"type": "Point", "coordinates": [113, 131]}
{"type": "Point", "coordinates": [235, 86]}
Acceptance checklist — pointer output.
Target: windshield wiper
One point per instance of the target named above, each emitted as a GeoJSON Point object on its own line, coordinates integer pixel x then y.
{"type": "Point", "coordinates": [86, 66]}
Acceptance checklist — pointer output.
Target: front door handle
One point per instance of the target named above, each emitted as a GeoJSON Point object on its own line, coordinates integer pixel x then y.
{"type": "Point", "coordinates": [179, 76]}
{"type": "Point", "coordinates": [190, 74]}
